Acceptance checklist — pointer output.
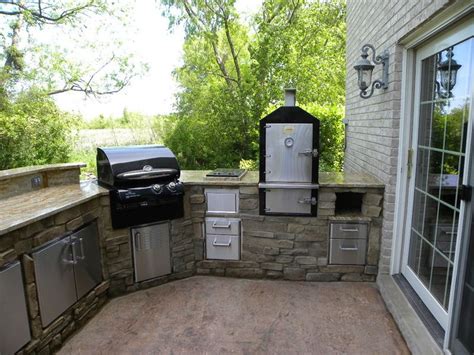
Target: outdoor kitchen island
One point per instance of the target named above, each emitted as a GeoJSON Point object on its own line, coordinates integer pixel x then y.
{"type": "Point", "coordinates": [59, 207]}
{"type": "Point", "coordinates": [292, 247]}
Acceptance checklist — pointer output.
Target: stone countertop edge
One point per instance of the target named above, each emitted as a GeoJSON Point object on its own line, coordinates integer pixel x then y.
{"type": "Point", "coordinates": [330, 180]}
{"type": "Point", "coordinates": [30, 170]}
{"type": "Point", "coordinates": [31, 207]}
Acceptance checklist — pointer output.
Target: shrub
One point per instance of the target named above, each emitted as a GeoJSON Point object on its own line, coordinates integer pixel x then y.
{"type": "Point", "coordinates": [34, 131]}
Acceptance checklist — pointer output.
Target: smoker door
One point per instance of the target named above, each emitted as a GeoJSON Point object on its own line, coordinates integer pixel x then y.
{"type": "Point", "coordinates": [86, 252]}
{"type": "Point", "coordinates": [288, 201]}
{"type": "Point", "coordinates": [14, 328]}
{"type": "Point", "coordinates": [288, 152]}
{"type": "Point", "coordinates": [151, 251]}
{"type": "Point", "coordinates": [54, 279]}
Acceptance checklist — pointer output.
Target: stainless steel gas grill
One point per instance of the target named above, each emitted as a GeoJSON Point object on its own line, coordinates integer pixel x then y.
{"type": "Point", "coordinates": [289, 161]}
{"type": "Point", "coordinates": [143, 184]}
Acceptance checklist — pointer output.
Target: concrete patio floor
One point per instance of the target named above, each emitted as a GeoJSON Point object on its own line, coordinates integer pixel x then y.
{"type": "Point", "coordinates": [222, 315]}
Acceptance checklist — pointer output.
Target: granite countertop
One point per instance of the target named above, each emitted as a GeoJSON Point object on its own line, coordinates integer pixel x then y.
{"type": "Point", "coordinates": [29, 170]}
{"type": "Point", "coordinates": [21, 210]}
{"type": "Point", "coordinates": [350, 180]}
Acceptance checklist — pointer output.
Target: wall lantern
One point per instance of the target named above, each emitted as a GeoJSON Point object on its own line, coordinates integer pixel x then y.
{"type": "Point", "coordinates": [448, 71]}
{"type": "Point", "coordinates": [365, 68]}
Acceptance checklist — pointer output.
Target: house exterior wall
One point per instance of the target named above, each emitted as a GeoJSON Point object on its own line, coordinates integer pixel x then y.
{"type": "Point", "coordinates": [373, 124]}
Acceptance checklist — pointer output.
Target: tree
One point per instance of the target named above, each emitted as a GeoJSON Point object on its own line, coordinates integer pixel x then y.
{"type": "Point", "coordinates": [29, 61]}
{"type": "Point", "coordinates": [33, 130]}
{"type": "Point", "coordinates": [234, 73]}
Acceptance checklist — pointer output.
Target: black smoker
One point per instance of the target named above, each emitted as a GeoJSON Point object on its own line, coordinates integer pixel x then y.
{"type": "Point", "coordinates": [289, 161]}
{"type": "Point", "coordinates": [143, 184]}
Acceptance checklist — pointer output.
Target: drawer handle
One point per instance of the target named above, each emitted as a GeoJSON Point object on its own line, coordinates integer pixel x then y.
{"type": "Point", "coordinates": [216, 244]}
{"type": "Point", "coordinates": [349, 229]}
{"type": "Point", "coordinates": [348, 248]}
{"type": "Point", "coordinates": [215, 225]}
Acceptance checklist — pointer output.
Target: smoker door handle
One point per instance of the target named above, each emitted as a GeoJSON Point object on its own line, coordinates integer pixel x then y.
{"type": "Point", "coordinates": [225, 226]}
{"type": "Point", "coordinates": [216, 244]}
{"type": "Point", "coordinates": [308, 152]}
{"type": "Point", "coordinates": [308, 200]}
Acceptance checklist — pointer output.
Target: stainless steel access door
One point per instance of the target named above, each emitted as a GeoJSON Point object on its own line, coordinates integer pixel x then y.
{"type": "Point", "coordinates": [54, 272]}
{"type": "Point", "coordinates": [288, 152]}
{"type": "Point", "coordinates": [151, 251]}
{"type": "Point", "coordinates": [14, 328]}
{"type": "Point", "coordinates": [86, 253]}
{"type": "Point", "coordinates": [290, 201]}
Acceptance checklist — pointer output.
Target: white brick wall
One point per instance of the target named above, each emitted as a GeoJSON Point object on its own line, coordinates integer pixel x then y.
{"type": "Point", "coordinates": [372, 134]}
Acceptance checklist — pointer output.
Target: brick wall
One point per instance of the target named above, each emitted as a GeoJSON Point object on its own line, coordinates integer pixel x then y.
{"type": "Point", "coordinates": [373, 130]}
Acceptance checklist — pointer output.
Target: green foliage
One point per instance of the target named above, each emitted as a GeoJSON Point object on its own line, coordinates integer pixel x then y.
{"type": "Point", "coordinates": [331, 153]}
{"type": "Point", "coordinates": [234, 74]}
{"type": "Point", "coordinates": [33, 131]}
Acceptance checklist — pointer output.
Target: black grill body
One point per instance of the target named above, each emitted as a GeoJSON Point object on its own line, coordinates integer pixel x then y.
{"type": "Point", "coordinates": [143, 183]}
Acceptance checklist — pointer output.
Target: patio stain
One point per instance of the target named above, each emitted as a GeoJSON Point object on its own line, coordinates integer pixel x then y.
{"type": "Point", "coordinates": [220, 315]}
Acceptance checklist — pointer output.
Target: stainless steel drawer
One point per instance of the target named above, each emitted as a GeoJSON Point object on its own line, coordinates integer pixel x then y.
{"type": "Point", "coordinates": [349, 230]}
{"type": "Point", "coordinates": [347, 251]}
{"type": "Point", "coordinates": [223, 247]}
{"type": "Point", "coordinates": [228, 226]}
{"type": "Point", "coordinates": [222, 200]}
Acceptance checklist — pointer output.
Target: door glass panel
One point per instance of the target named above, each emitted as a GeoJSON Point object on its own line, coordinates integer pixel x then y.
{"type": "Point", "coordinates": [443, 116]}
{"type": "Point", "coordinates": [466, 319]}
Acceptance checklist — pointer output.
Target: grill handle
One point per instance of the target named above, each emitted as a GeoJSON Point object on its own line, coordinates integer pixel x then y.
{"type": "Point", "coordinates": [147, 174]}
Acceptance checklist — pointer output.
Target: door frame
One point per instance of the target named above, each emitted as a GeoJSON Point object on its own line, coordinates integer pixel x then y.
{"type": "Point", "coordinates": [408, 44]}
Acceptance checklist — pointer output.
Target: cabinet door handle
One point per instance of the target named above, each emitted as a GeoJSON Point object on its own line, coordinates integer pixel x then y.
{"type": "Point", "coordinates": [69, 248]}
{"type": "Point", "coordinates": [81, 248]}
{"type": "Point", "coordinates": [216, 244]}
{"type": "Point", "coordinates": [215, 225]}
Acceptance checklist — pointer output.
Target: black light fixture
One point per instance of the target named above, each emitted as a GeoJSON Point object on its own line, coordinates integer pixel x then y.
{"type": "Point", "coordinates": [365, 68]}
{"type": "Point", "coordinates": [448, 71]}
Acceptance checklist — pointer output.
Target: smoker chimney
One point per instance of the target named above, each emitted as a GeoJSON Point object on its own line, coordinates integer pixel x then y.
{"type": "Point", "coordinates": [290, 97]}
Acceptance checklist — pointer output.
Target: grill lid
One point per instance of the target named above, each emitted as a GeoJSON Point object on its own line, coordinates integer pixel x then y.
{"type": "Point", "coordinates": [136, 165]}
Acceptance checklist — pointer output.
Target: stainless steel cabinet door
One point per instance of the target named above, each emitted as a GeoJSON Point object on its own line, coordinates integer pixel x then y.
{"type": "Point", "coordinates": [14, 328]}
{"type": "Point", "coordinates": [296, 201]}
{"type": "Point", "coordinates": [289, 152]}
{"type": "Point", "coordinates": [54, 279]}
{"type": "Point", "coordinates": [151, 251]}
{"type": "Point", "coordinates": [86, 253]}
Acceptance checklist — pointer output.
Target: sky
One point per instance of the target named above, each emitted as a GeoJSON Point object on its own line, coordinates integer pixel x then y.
{"type": "Point", "coordinates": [154, 44]}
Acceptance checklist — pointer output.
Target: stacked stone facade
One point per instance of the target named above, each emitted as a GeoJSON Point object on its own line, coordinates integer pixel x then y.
{"type": "Point", "coordinates": [293, 248]}
{"type": "Point", "coordinates": [373, 124]}
{"type": "Point", "coordinates": [19, 244]}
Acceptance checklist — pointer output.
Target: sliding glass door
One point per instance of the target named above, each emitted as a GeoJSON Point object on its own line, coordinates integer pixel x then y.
{"type": "Point", "coordinates": [442, 122]}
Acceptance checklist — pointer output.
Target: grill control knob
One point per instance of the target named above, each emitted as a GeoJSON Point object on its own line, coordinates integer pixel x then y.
{"type": "Point", "coordinates": [156, 188]}
{"type": "Point", "coordinates": [172, 186]}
